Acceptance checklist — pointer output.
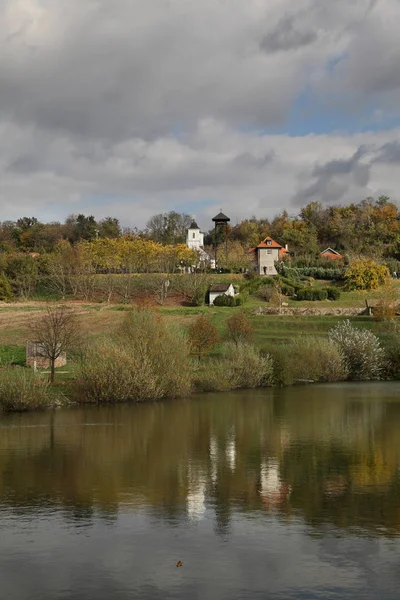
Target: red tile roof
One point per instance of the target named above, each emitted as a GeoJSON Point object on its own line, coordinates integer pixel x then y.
{"type": "Point", "coordinates": [271, 244]}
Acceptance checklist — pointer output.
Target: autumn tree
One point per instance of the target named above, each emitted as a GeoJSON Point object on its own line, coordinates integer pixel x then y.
{"type": "Point", "coordinates": [366, 274]}
{"type": "Point", "coordinates": [239, 328]}
{"type": "Point", "coordinates": [237, 258]}
{"type": "Point", "coordinates": [57, 330]}
{"type": "Point", "coordinates": [203, 336]}
{"type": "Point", "coordinates": [193, 287]}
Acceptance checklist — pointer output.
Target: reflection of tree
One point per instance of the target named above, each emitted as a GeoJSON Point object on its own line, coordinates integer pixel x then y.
{"type": "Point", "coordinates": [326, 459]}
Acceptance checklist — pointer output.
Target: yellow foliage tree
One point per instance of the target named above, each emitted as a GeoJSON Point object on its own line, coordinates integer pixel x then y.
{"type": "Point", "coordinates": [366, 274]}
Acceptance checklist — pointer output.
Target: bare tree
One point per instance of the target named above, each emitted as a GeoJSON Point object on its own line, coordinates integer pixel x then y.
{"type": "Point", "coordinates": [56, 330]}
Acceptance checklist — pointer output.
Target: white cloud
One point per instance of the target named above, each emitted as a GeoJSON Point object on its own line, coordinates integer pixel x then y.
{"type": "Point", "coordinates": [132, 107]}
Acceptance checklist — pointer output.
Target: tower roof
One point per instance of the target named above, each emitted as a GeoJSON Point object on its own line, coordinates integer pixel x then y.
{"type": "Point", "coordinates": [221, 218]}
{"type": "Point", "coordinates": [194, 225]}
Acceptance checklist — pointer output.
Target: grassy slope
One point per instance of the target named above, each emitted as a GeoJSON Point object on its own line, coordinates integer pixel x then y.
{"type": "Point", "coordinates": [102, 319]}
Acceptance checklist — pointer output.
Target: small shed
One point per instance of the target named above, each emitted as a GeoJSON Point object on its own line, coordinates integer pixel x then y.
{"type": "Point", "coordinates": [35, 356]}
{"type": "Point", "coordinates": [331, 254]}
{"type": "Point", "coordinates": [221, 289]}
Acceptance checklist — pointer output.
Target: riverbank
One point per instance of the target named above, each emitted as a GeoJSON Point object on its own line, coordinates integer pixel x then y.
{"type": "Point", "coordinates": [148, 356]}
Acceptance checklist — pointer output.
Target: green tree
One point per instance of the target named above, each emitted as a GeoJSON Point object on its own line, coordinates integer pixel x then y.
{"type": "Point", "coordinates": [23, 272]}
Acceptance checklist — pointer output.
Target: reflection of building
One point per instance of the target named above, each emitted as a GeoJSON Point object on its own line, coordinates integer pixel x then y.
{"type": "Point", "coordinates": [273, 490]}
{"type": "Point", "coordinates": [196, 498]}
{"type": "Point", "coordinates": [230, 452]}
{"type": "Point", "coordinates": [213, 451]}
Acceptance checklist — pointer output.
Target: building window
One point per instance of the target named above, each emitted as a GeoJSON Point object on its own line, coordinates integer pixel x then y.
{"type": "Point", "coordinates": [269, 251]}
{"type": "Point", "coordinates": [270, 268]}
{"type": "Point", "coordinates": [194, 235]}
{"type": "Point", "coordinates": [268, 243]}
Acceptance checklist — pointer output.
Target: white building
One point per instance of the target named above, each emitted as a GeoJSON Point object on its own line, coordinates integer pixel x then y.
{"type": "Point", "coordinates": [221, 289]}
{"type": "Point", "coordinates": [195, 241]}
{"type": "Point", "coordinates": [266, 255]}
{"type": "Point", "coordinates": [194, 237]}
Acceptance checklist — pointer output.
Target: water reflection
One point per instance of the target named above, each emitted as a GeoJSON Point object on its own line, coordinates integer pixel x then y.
{"type": "Point", "coordinates": [326, 454]}
{"type": "Point", "coordinates": [302, 482]}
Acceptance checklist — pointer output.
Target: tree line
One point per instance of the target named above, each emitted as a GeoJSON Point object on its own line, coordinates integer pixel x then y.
{"type": "Point", "coordinates": [371, 226]}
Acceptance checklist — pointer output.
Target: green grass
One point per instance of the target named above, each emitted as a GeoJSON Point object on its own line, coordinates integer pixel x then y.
{"type": "Point", "coordinates": [12, 355]}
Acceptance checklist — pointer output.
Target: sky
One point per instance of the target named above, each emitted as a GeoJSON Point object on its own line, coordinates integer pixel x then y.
{"type": "Point", "coordinates": [130, 108]}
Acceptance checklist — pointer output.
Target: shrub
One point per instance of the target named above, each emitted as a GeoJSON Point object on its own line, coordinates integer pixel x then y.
{"type": "Point", "coordinates": [333, 293]}
{"type": "Point", "coordinates": [255, 283]}
{"type": "Point", "coordinates": [5, 289]}
{"type": "Point", "coordinates": [321, 272]}
{"type": "Point", "coordinates": [312, 294]}
{"type": "Point", "coordinates": [239, 328]}
{"type": "Point", "coordinates": [365, 358]}
{"type": "Point", "coordinates": [22, 389]}
{"type": "Point", "coordinates": [287, 290]}
{"type": "Point", "coordinates": [366, 274]}
{"type": "Point", "coordinates": [392, 351]}
{"type": "Point", "coordinates": [146, 360]}
{"type": "Point", "coordinates": [241, 299]}
{"type": "Point", "coordinates": [265, 292]}
{"type": "Point", "coordinates": [310, 359]}
{"type": "Point", "coordinates": [241, 366]}
{"type": "Point", "coordinates": [224, 300]}
{"type": "Point", "coordinates": [203, 336]}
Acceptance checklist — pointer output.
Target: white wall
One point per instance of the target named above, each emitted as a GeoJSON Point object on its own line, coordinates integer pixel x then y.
{"type": "Point", "coordinates": [194, 239]}
{"type": "Point", "coordinates": [266, 257]}
{"type": "Point", "coordinates": [229, 292]}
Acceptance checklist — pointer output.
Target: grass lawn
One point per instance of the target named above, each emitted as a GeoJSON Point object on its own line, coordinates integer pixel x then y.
{"type": "Point", "coordinates": [101, 319]}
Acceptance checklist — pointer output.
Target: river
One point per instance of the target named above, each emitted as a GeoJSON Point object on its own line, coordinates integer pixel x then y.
{"type": "Point", "coordinates": [289, 493]}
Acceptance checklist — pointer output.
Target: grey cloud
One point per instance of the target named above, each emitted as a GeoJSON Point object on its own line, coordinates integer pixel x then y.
{"type": "Point", "coordinates": [247, 160]}
{"type": "Point", "coordinates": [288, 35]}
{"type": "Point", "coordinates": [389, 153]}
{"type": "Point", "coordinates": [24, 164]}
{"type": "Point", "coordinates": [159, 104]}
{"type": "Point", "coordinates": [334, 178]}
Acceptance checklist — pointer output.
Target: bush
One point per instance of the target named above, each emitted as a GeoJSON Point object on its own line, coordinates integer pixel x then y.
{"type": "Point", "coordinates": [239, 328]}
{"type": "Point", "coordinates": [252, 286]}
{"type": "Point", "coordinates": [203, 336]}
{"type": "Point", "coordinates": [265, 292]}
{"type": "Point", "coordinates": [241, 299]}
{"type": "Point", "coordinates": [317, 272]}
{"type": "Point", "coordinates": [309, 359]}
{"type": "Point", "coordinates": [22, 389]}
{"type": "Point", "coordinates": [5, 289]}
{"type": "Point", "coordinates": [287, 290]}
{"type": "Point", "coordinates": [366, 274]}
{"type": "Point", "coordinates": [224, 300]}
{"type": "Point", "coordinates": [365, 358]}
{"type": "Point", "coordinates": [241, 366]}
{"type": "Point", "coordinates": [392, 352]}
{"type": "Point", "coordinates": [333, 293]}
{"type": "Point", "coordinates": [146, 360]}
{"type": "Point", "coordinates": [312, 294]}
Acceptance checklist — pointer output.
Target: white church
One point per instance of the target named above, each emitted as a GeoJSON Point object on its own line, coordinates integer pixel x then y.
{"type": "Point", "coordinates": [195, 241]}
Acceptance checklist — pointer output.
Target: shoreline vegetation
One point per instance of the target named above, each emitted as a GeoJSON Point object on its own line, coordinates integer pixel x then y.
{"type": "Point", "coordinates": [149, 357]}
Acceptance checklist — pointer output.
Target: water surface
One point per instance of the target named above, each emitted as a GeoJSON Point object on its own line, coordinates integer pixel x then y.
{"type": "Point", "coordinates": [275, 494]}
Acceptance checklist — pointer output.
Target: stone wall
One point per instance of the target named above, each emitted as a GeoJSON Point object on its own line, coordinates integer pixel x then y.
{"type": "Point", "coordinates": [309, 311]}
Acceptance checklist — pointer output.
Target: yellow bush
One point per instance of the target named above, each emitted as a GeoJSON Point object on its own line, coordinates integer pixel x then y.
{"type": "Point", "coordinates": [366, 274]}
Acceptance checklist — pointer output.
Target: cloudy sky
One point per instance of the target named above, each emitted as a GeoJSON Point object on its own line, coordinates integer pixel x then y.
{"type": "Point", "coordinates": [134, 107]}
